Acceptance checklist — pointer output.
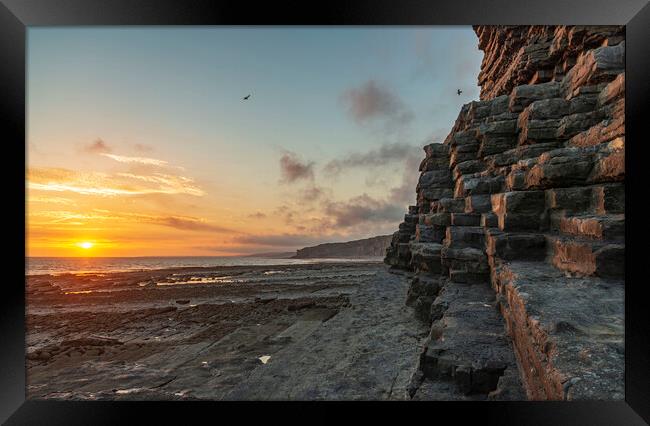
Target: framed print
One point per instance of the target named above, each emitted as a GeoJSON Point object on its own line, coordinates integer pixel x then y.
{"type": "Point", "coordinates": [416, 203]}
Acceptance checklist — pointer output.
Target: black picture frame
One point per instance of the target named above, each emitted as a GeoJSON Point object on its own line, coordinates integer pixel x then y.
{"type": "Point", "coordinates": [17, 15]}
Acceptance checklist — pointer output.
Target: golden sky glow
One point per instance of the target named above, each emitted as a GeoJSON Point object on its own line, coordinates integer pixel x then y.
{"type": "Point", "coordinates": [139, 142]}
{"type": "Point", "coordinates": [150, 208]}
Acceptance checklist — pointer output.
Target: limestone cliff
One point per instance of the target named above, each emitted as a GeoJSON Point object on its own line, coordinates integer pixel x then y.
{"type": "Point", "coordinates": [520, 211]}
{"type": "Point", "coordinates": [368, 247]}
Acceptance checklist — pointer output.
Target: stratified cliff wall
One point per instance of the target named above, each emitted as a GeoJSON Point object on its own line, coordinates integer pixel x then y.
{"type": "Point", "coordinates": [368, 247]}
{"type": "Point", "coordinates": [520, 212]}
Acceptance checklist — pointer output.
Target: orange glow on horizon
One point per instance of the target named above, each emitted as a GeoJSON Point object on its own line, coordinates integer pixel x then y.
{"type": "Point", "coordinates": [151, 207]}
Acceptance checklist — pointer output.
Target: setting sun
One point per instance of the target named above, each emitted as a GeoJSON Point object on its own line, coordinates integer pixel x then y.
{"type": "Point", "coordinates": [85, 245]}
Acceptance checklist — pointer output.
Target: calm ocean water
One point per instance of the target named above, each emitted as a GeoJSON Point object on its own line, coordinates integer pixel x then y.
{"type": "Point", "coordinates": [60, 265]}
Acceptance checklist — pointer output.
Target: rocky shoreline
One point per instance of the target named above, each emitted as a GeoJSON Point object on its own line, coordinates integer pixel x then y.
{"type": "Point", "coordinates": [222, 333]}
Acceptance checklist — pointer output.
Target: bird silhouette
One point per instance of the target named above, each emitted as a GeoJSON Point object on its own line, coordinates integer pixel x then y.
{"type": "Point", "coordinates": [459, 92]}
{"type": "Point", "coordinates": [246, 97]}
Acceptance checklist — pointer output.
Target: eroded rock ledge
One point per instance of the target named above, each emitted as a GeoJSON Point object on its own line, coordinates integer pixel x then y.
{"type": "Point", "coordinates": [517, 238]}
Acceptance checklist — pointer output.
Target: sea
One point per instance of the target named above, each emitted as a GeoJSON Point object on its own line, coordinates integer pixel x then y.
{"type": "Point", "coordinates": [80, 265]}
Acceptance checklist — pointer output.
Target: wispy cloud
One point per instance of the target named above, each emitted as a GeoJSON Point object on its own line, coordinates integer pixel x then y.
{"type": "Point", "coordinates": [372, 101]}
{"type": "Point", "coordinates": [142, 147]}
{"type": "Point", "coordinates": [245, 249]}
{"type": "Point", "coordinates": [293, 169]}
{"type": "Point", "coordinates": [96, 183]}
{"type": "Point", "coordinates": [363, 209]}
{"type": "Point", "coordinates": [165, 180]}
{"type": "Point", "coordinates": [185, 223]}
{"type": "Point", "coordinates": [70, 217]}
{"type": "Point", "coordinates": [139, 160]}
{"type": "Point", "coordinates": [50, 200]}
{"type": "Point", "coordinates": [405, 192]}
{"type": "Point", "coordinates": [98, 146]}
{"type": "Point", "coordinates": [313, 193]}
{"type": "Point", "coordinates": [281, 240]}
{"type": "Point", "coordinates": [257, 215]}
{"type": "Point", "coordinates": [385, 154]}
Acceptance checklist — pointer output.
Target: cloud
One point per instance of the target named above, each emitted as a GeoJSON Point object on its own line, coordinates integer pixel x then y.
{"type": "Point", "coordinates": [141, 147]}
{"type": "Point", "coordinates": [363, 209]}
{"type": "Point", "coordinates": [293, 169]}
{"type": "Point", "coordinates": [371, 101]}
{"type": "Point", "coordinates": [185, 223]}
{"type": "Point", "coordinates": [287, 213]}
{"type": "Point", "coordinates": [382, 156]}
{"type": "Point", "coordinates": [257, 215]}
{"type": "Point", "coordinates": [99, 146]}
{"type": "Point", "coordinates": [243, 249]}
{"type": "Point", "coordinates": [70, 218]}
{"type": "Point", "coordinates": [138, 160]}
{"type": "Point", "coordinates": [166, 181]}
{"type": "Point", "coordinates": [103, 184]}
{"type": "Point", "coordinates": [282, 240]}
{"type": "Point", "coordinates": [50, 200]}
{"type": "Point", "coordinates": [312, 193]}
{"type": "Point", "coordinates": [405, 193]}
{"type": "Point", "coordinates": [316, 212]}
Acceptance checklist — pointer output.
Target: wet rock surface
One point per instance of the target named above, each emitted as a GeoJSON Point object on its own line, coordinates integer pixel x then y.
{"type": "Point", "coordinates": [369, 350]}
{"type": "Point", "coordinates": [322, 331]}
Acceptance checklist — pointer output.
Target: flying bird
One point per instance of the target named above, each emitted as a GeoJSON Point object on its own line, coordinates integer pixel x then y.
{"type": "Point", "coordinates": [246, 97]}
{"type": "Point", "coordinates": [459, 92]}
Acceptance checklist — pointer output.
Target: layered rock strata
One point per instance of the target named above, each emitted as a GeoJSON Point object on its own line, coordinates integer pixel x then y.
{"type": "Point", "coordinates": [517, 239]}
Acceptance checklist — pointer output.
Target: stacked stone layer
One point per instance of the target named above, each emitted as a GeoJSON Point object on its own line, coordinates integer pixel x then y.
{"type": "Point", "coordinates": [526, 197]}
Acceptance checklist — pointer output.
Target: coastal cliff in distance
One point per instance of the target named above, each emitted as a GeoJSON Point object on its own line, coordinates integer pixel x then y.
{"type": "Point", "coordinates": [368, 247]}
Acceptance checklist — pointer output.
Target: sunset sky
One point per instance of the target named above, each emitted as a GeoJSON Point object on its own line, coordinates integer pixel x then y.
{"type": "Point", "coordinates": [139, 142]}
